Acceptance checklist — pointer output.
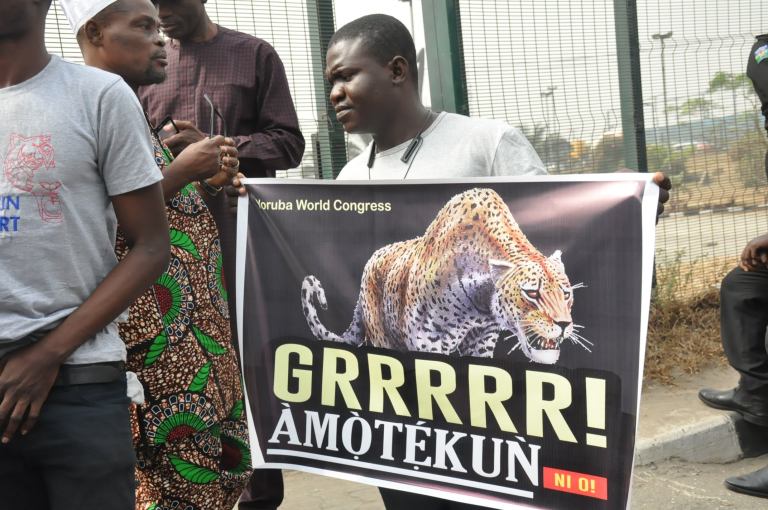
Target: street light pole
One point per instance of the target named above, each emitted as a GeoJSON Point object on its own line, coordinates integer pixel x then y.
{"type": "Point", "coordinates": [550, 93]}
{"type": "Point", "coordinates": [661, 38]}
{"type": "Point", "coordinates": [652, 104]}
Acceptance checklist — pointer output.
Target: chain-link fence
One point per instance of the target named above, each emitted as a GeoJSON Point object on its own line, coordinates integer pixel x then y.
{"type": "Point", "coordinates": [558, 70]}
{"type": "Point", "coordinates": [551, 67]}
{"type": "Point", "coordinates": [705, 130]}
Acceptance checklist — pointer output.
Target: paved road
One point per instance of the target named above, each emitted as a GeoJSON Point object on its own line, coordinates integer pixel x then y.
{"type": "Point", "coordinates": [707, 235]}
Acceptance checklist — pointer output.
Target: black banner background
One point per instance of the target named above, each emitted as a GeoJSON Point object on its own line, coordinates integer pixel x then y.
{"type": "Point", "coordinates": [597, 226]}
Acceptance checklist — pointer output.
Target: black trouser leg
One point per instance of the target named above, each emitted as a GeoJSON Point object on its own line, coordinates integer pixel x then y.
{"type": "Point", "coordinates": [743, 322]}
{"type": "Point", "coordinates": [79, 454]}
{"type": "Point", "coordinates": [21, 485]}
{"type": "Point", "coordinates": [264, 490]}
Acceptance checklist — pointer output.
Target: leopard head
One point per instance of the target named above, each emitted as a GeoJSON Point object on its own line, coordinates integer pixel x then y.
{"type": "Point", "coordinates": [533, 300]}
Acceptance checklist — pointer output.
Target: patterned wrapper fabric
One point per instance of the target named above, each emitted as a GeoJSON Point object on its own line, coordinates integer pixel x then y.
{"type": "Point", "coordinates": [190, 435]}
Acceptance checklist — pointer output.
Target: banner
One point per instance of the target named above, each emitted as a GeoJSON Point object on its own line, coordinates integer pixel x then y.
{"type": "Point", "coordinates": [477, 341]}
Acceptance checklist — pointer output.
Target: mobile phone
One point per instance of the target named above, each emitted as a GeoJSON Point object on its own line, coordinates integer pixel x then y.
{"type": "Point", "coordinates": [166, 128]}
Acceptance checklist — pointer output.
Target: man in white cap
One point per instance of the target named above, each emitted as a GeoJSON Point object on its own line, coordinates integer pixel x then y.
{"type": "Point", "coordinates": [76, 160]}
{"type": "Point", "coordinates": [181, 423]}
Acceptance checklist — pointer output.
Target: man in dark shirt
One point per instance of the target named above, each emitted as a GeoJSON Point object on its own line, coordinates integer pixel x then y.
{"type": "Point", "coordinates": [757, 71]}
{"type": "Point", "coordinates": [743, 324]}
{"type": "Point", "coordinates": [245, 79]}
{"type": "Point", "coordinates": [744, 316]}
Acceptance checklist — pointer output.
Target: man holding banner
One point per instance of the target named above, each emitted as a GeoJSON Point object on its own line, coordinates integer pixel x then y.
{"type": "Point", "coordinates": [494, 327]}
{"type": "Point", "coordinates": [371, 65]}
{"type": "Point", "coordinates": [377, 53]}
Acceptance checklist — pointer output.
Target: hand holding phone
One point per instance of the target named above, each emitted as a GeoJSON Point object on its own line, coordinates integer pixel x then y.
{"type": "Point", "coordinates": [166, 128]}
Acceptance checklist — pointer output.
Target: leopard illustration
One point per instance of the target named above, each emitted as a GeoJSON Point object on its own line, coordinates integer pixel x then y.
{"type": "Point", "coordinates": [472, 275]}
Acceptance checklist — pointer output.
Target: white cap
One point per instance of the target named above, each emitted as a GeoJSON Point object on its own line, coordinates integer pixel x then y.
{"type": "Point", "coordinates": [78, 12]}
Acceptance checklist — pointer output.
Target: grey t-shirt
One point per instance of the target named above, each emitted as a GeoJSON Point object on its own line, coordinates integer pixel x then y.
{"type": "Point", "coordinates": [454, 146]}
{"type": "Point", "coordinates": [71, 137]}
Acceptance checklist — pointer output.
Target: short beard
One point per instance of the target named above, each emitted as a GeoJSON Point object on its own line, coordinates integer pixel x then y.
{"type": "Point", "coordinates": [153, 76]}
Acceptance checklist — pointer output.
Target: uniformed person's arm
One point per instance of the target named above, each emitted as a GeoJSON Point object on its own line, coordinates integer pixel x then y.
{"type": "Point", "coordinates": [757, 71]}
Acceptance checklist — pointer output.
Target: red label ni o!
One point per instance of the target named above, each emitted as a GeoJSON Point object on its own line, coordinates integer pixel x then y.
{"type": "Point", "coordinates": [576, 483]}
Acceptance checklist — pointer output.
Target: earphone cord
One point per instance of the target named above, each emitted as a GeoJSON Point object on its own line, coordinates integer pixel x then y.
{"type": "Point", "coordinates": [419, 142]}
{"type": "Point", "coordinates": [410, 152]}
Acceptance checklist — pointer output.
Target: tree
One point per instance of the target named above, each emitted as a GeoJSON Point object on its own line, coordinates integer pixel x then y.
{"type": "Point", "coordinates": [609, 153]}
{"type": "Point", "coordinates": [735, 84]}
{"type": "Point", "coordinates": [551, 147]}
{"type": "Point", "coordinates": [747, 155]}
{"type": "Point", "coordinates": [663, 159]}
{"type": "Point", "coordinates": [697, 107]}
{"type": "Point", "coordinates": [729, 82]}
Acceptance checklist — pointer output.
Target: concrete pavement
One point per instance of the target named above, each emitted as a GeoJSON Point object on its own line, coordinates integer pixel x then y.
{"type": "Point", "coordinates": [669, 485]}
{"type": "Point", "coordinates": [304, 491]}
{"type": "Point", "coordinates": [675, 424]}
{"type": "Point", "coordinates": [677, 485]}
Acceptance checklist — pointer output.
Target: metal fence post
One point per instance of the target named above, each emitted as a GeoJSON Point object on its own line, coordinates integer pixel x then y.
{"type": "Point", "coordinates": [329, 145]}
{"type": "Point", "coordinates": [445, 61]}
{"type": "Point", "coordinates": [630, 85]}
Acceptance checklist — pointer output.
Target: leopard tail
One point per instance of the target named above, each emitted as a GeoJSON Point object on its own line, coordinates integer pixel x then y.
{"type": "Point", "coordinates": [311, 292]}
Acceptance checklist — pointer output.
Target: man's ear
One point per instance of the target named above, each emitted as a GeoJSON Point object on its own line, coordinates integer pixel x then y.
{"type": "Point", "coordinates": [92, 32]}
{"type": "Point", "coordinates": [400, 70]}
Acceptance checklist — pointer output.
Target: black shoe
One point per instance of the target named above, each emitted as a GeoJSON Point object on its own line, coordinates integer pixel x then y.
{"type": "Point", "coordinates": [753, 409]}
{"type": "Point", "coordinates": [753, 484]}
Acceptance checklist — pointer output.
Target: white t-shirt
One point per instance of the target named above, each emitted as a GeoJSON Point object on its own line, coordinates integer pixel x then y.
{"type": "Point", "coordinates": [454, 146]}
{"type": "Point", "coordinates": [71, 137]}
